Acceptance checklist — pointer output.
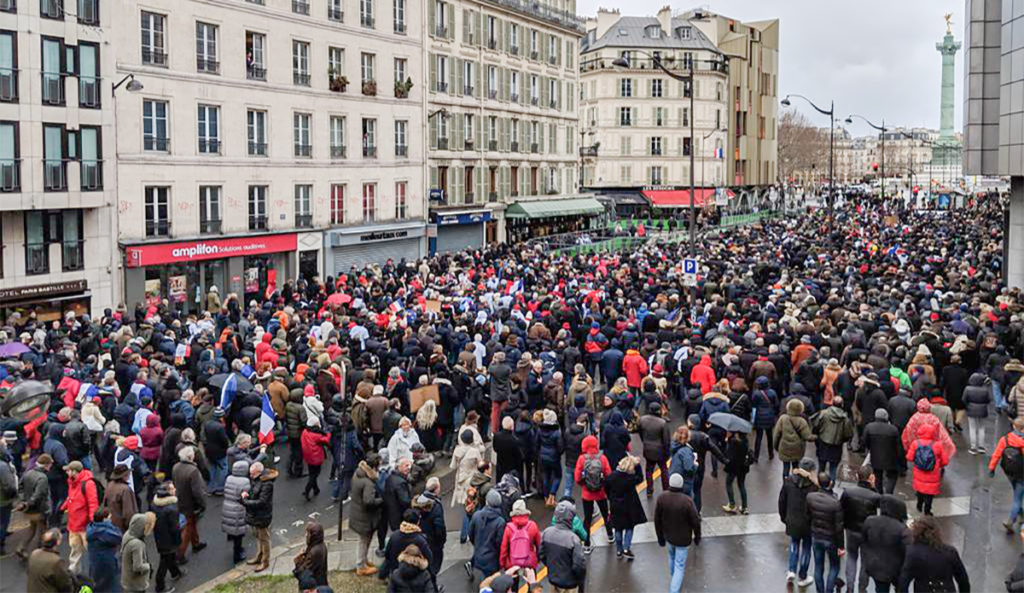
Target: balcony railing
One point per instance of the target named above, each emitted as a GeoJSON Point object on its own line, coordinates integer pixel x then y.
{"type": "Point", "coordinates": [534, 100]}
{"type": "Point", "coordinates": [92, 175]}
{"type": "Point", "coordinates": [514, 50]}
{"type": "Point", "coordinates": [207, 65]}
{"type": "Point", "coordinates": [37, 258]}
{"type": "Point", "coordinates": [670, 63]}
{"type": "Point", "coordinates": [73, 255]}
{"type": "Point", "coordinates": [441, 31]}
{"type": "Point", "coordinates": [337, 152]}
{"type": "Point", "coordinates": [468, 142]}
{"type": "Point", "coordinates": [655, 152]}
{"type": "Point", "coordinates": [257, 148]}
{"type": "Point", "coordinates": [400, 27]}
{"type": "Point", "coordinates": [336, 14]}
{"type": "Point", "coordinates": [257, 223]}
{"type": "Point", "coordinates": [492, 43]}
{"type": "Point", "coordinates": [370, 152]}
{"type": "Point", "coordinates": [442, 87]}
{"type": "Point", "coordinates": [492, 196]}
{"type": "Point", "coordinates": [402, 150]}
{"type": "Point", "coordinates": [561, 18]}
{"type": "Point", "coordinates": [514, 97]}
{"type": "Point", "coordinates": [159, 143]}
{"type": "Point", "coordinates": [209, 145]}
{"type": "Point", "coordinates": [553, 104]}
{"type": "Point", "coordinates": [210, 227]}
{"type": "Point", "coordinates": [534, 148]}
{"type": "Point", "coordinates": [468, 89]}
{"type": "Point", "coordinates": [89, 91]}
{"type": "Point", "coordinates": [514, 146]}
{"type": "Point", "coordinates": [468, 198]}
{"type": "Point", "coordinates": [53, 88]}
{"type": "Point", "coordinates": [552, 60]}
{"type": "Point", "coordinates": [366, 21]}
{"type": "Point", "coordinates": [154, 56]}
{"type": "Point", "coordinates": [9, 5]}
{"type": "Point", "coordinates": [300, 79]}
{"type": "Point", "coordinates": [89, 12]}
{"type": "Point", "coordinates": [304, 150]}
{"type": "Point", "coordinates": [10, 175]}
{"type": "Point", "coordinates": [55, 175]}
{"type": "Point", "coordinates": [303, 221]}
{"type": "Point", "coordinates": [51, 9]}
{"type": "Point", "coordinates": [255, 72]}
{"type": "Point", "coordinates": [8, 85]}
{"type": "Point", "coordinates": [533, 55]}
{"type": "Point", "coordinates": [158, 228]}
{"type": "Point", "coordinates": [492, 145]}
{"type": "Point", "coordinates": [299, 7]}
{"type": "Point", "coordinates": [492, 93]}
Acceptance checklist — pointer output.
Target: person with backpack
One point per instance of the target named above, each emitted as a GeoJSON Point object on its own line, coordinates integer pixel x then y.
{"type": "Point", "coordinates": [928, 457]}
{"type": "Point", "coordinates": [84, 496]}
{"type": "Point", "coordinates": [592, 468]}
{"type": "Point", "coordinates": [520, 543]}
{"type": "Point", "coordinates": [1009, 455]}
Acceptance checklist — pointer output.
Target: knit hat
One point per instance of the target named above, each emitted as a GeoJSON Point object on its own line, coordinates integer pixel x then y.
{"type": "Point", "coordinates": [809, 465]}
{"type": "Point", "coordinates": [218, 412]}
{"type": "Point", "coordinates": [519, 508]}
{"type": "Point", "coordinates": [131, 443]}
{"type": "Point", "coordinates": [44, 459]}
{"type": "Point", "coordinates": [493, 498]}
{"type": "Point", "coordinates": [308, 391]}
{"type": "Point", "coordinates": [675, 481]}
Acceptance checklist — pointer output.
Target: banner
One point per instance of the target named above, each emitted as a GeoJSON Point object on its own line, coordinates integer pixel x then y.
{"type": "Point", "coordinates": [252, 280]}
{"type": "Point", "coordinates": [169, 253]}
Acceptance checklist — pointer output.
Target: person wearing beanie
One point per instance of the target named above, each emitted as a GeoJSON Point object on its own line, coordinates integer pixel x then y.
{"type": "Point", "coordinates": [882, 441]}
{"type": "Point", "coordinates": [486, 531]}
{"type": "Point", "coordinates": [408, 534]}
{"type": "Point", "coordinates": [677, 525]}
{"type": "Point", "coordinates": [561, 550]}
{"type": "Point", "coordinates": [35, 498]}
{"type": "Point", "coordinates": [314, 441]}
{"type": "Point", "coordinates": [521, 541]}
{"type": "Point", "coordinates": [794, 514]}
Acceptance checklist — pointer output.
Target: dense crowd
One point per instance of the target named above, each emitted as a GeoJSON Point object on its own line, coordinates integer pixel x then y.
{"type": "Point", "coordinates": [588, 381]}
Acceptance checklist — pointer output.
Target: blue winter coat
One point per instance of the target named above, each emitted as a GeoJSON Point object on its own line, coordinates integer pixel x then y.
{"type": "Point", "coordinates": [104, 540]}
{"type": "Point", "coordinates": [611, 365]}
{"type": "Point", "coordinates": [551, 445]}
{"type": "Point", "coordinates": [766, 406]}
{"type": "Point", "coordinates": [615, 439]}
{"type": "Point", "coordinates": [684, 464]}
{"type": "Point", "coordinates": [485, 532]}
{"type": "Point", "coordinates": [713, 404]}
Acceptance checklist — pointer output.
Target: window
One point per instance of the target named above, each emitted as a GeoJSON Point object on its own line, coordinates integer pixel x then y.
{"type": "Point", "coordinates": [401, 200]}
{"type": "Point", "coordinates": [399, 8]}
{"type": "Point", "coordinates": [553, 93]}
{"type": "Point", "coordinates": [88, 75]}
{"type": "Point", "coordinates": [468, 77]}
{"type": "Point", "coordinates": [625, 174]}
{"type": "Point", "coordinates": [91, 158]}
{"type": "Point", "coordinates": [401, 70]}
{"type": "Point", "coordinates": [492, 82]}
{"type": "Point", "coordinates": [442, 74]}
{"type": "Point", "coordinates": [552, 50]}
{"type": "Point", "coordinates": [401, 138]}
{"type": "Point", "coordinates": [72, 242]}
{"type": "Point", "coordinates": [8, 66]}
{"type": "Point", "coordinates": [440, 19]}
{"type": "Point", "coordinates": [467, 125]}
{"type": "Point", "coordinates": [366, 64]}
{"type": "Point", "coordinates": [626, 87]}
{"type": "Point", "coordinates": [656, 146]}
{"type": "Point", "coordinates": [534, 43]}
{"type": "Point", "coordinates": [656, 88]}
{"type": "Point", "coordinates": [337, 137]}
{"type": "Point", "coordinates": [53, 67]}
{"type": "Point", "coordinates": [336, 69]}
{"type": "Point", "coordinates": [687, 146]}
{"type": "Point", "coordinates": [656, 175]}
{"type": "Point", "coordinates": [684, 117]}
{"type": "Point", "coordinates": [55, 167]}
{"type": "Point", "coordinates": [37, 252]}
{"type": "Point", "coordinates": [369, 202]}
{"type": "Point", "coordinates": [303, 144]}
{"type": "Point", "coordinates": [303, 206]}
{"type": "Point", "coordinates": [366, 13]}
{"type": "Point", "coordinates": [513, 38]}
{"type": "Point", "coordinates": [659, 116]}
{"type": "Point", "coordinates": [492, 132]}
{"type": "Point", "coordinates": [369, 137]}
{"type": "Point", "coordinates": [534, 89]}
{"type": "Point", "coordinates": [442, 131]}
{"type": "Point", "coordinates": [625, 146]}
{"type": "Point", "coordinates": [10, 163]}
{"type": "Point", "coordinates": [209, 129]}
{"type": "Point", "coordinates": [154, 50]}
{"type": "Point", "coordinates": [683, 32]}
{"type": "Point", "coordinates": [257, 207]}
{"type": "Point", "coordinates": [255, 66]}
{"type": "Point", "coordinates": [654, 31]}
{"type": "Point", "coordinates": [51, 9]}
{"type": "Point", "coordinates": [337, 203]}
{"type": "Point", "coordinates": [625, 116]}
{"type": "Point", "coordinates": [257, 132]}
{"type": "Point", "coordinates": [158, 221]}
{"type": "Point", "coordinates": [513, 85]}
{"type": "Point", "coordinates": [492, 32]}
{"type": "Point", "coordinates": [300, 7]}
{"type": "Point", "coordinates": [300, 63]}
{"type": "Point", "coordinates": [209, 209]}
{"type": "Point", "coordinates": [206, 48]}
{"type": "Point", "coordinates": [334, 11]}
{"type": "Point", "coordinates": [718, 91]}
{"type": "Point", "coordinates": [718, 119]}
{"type": "Point", "coordinates": [154, 125]}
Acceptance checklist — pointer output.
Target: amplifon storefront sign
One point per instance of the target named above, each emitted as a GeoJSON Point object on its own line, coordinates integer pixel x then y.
{"type": "Point", "coordinates": [173, 253]}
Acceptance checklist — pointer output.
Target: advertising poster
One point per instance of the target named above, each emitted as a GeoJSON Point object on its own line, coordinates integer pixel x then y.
{"type": "Point", "coordinates": [252, 279]}
{"type": "Point", "coordinates": [176, 289]}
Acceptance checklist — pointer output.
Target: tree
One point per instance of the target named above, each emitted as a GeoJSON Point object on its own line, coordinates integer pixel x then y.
{"type": "Point", "coordinates": [802, 146]}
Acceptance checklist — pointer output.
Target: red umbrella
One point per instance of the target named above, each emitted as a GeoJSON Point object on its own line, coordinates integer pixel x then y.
{"type": "Point", "coordinates": [338, 299]}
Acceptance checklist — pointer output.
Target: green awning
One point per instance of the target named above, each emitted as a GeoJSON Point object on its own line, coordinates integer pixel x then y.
{"type": "Point", "coordinates": [555, 207]}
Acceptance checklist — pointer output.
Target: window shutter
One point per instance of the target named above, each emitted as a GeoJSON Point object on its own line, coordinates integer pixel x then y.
{"type": "Point", "coordinates": [481, 180]}
{"type": "Point", "coordinates": [540, 139]}
{"type": "Point", "coordinates": [433, 132]}
{"type": "Point", "coordinates": [433, 178]}
{"type": "Point", "coordinates": [502, 181]}
{"type": "Point", "coordinates": [467, 25]}
{"type": "Point", "coordinates": [433, 72]}
{"type": "Point", "coordinates": [505, 125]}
{"type": "Point", "coordinates": [458, 131]}
{"type": "Point", "coordinates": [503, 81]}
{"type": "Point", "coordinates": [456, 77]}
{"type": "Point", "coordinates": [450, 13]}
{"type": "Point", "coordinates": [484, 134]}
{"type": "Point", "coordinates": [479, 80]}
{"type": "Point", "coordinates": [455, 176]}
{"type": "Point", "coordinates": [507, 36]}
{"type": "Point", "coordinates": [431, 28]}
{"type": "Point", "coordinates": [481, 29]}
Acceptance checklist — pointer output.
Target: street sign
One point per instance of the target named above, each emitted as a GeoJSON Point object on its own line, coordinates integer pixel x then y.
{"type": "Point", "coordinates": [689, 266]}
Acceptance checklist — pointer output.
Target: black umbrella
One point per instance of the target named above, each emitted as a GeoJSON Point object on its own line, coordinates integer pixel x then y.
{"type": "Point", "coordinates": [218, 381]}
{"type": "Point", "coordinates": [729, 422]}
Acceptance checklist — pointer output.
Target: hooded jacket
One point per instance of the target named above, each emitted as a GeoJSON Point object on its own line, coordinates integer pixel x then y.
{"type": "Point", "coordinates": [703, 375]}
{"type": "Point", "coordinates": [135, 567]}
{"type": "Point", "coordinates": [792, 433]}
{"type": "Point", "coordinates": [412, 575]}
{"type": "Point", "coordinates": [232, 513]}
{"type": "Point", "coordinates": [314, 557]}
{"type": "Point", "coordinates": [561, 550]}
{"type": "Point", "coordinates": [712, 403]}
{"type": "Point", "coordinates": [81, 502]}
{"type": "Point", "coordinates": [167, 530]}
{"type": "Point", "coordinates": [1011, 439]}
{"type": "Point", "coordinates": [407, 534]}
{"type": "Point", "coordinates": [532, 531]}
{"type": "Point", "coordinates": [832, 426]}
{"type": "Point", "coordinates": [104, 540]}
{"type": "Point", "coordinates": [924, 417]}
{"type": "Point", "coordinates": [886, 539]}
{"type": "Point", "coordinates": [259, 506]}
{"type": "Point", "coordinates": [486, 530]}
{"type": "Point", "coordinates": [977, 396]}
{"type": "Point", "coordinates": [635, 367]}
{"type": "Point", "coordinates": [120, 500]}
{"type": "Point", "coordinates": [793, 502]}
{"type": "Point", "coordinates": [151, 437]}
{"type": "Point", "coordinates": [365, 511]}
{"type": "Point", "coordinates": [928, 481]}
{"type": "Point", "coordinates": [590, 450]}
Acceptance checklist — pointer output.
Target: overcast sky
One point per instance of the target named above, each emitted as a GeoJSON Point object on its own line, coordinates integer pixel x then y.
{"type": "Point", "coordinates": [876, 58]}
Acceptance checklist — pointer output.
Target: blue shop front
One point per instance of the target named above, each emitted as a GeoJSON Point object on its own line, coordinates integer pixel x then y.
{"type": "Point", "coordinates": [458, 230]}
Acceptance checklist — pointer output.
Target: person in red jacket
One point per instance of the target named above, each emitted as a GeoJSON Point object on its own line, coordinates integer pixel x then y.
{"type": "Point", "coordinates": [927, 481]}
{"type": "Point", "coordinates": [1014, 468]}
{"type": "Point", "coordinates": [81, 503]}
{"type": "Point", "coordinates": [635, 367]}
{"type": "Point", "coordinates": [703, 375]}
{"type": "Point", "coordinates": [592, 485]}
{"type": "Point", "coordinates": [152, 437]}
{"type": "Point", "coordinates": [313, 442]}
{"type": "Point", "coordinates": [520, 542]}
{"type": "Point", "coordinates": [593, 346]}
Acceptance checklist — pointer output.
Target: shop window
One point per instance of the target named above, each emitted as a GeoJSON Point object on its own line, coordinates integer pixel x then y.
{"type": "Point", "coordinates": [257, 207]}
{"type": "Point", "coordinates": [158, 222]}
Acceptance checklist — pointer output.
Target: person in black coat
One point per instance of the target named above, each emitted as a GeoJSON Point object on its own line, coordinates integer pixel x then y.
{"type": "Point", "coordinates": [620, 487]}
{"type": "Point", "coordinates": [166, 534]}
{"type": "Point", "coordinates": [977, 396]}
{"type": "Point", "coordinates": [930, 564]}
{"type": "Point", "coordinates": [901, 408]}
{"type": "Point", "coordinates": [412, 574]}
{"type": "Point", "coordinates": [827, 535]}
{"type": "Point", "coordinates": [1015, 580]}
{"type": "Point", "coordinates": [615, 438]}
{"type": "Point", "coordinates": [882, 441]}
{"type": "Point", "coordinates": [858, 502]}
{"type": "Point", "coordinates": [954, 381]}
{"type": "Point", "coordinates": [793, 513]}
{"type": "Point", "coordinates": [313, 560]}
{"type": "Point", "coordinates": [507, 449]}
{"type": "Point", "coordinates": [408, 534]}
{"type": "Point", "coordinates": [766, 406]}
{"type": "Point", "coordinates": [737, 464]}
{"type": "Point", "coordinates": [397, 494]}
{"type": "Point", "coordinates": [431, 511]}
{"type": "Point", "coordinates": [885, 542]}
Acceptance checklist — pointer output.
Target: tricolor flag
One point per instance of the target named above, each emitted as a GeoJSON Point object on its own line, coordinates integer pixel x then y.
{"type": "Point", "coordinates": [228, 391]}
{"type": "Point", "coordinates": [514, 287]}
{"type": "Point", "coordinates": [266, 433]}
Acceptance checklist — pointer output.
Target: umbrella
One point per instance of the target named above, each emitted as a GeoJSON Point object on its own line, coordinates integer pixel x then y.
{"type": "Point", "coordinates": [242, 384]}
{"type": "Point", "coordinates": [13, 349]}
{"type": "Point", "coordinates": [729, 422]}
{"type": "Point", "coordinates": [338, 298]}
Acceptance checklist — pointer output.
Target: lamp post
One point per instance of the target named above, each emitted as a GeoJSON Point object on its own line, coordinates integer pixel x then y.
{"type": "Point", "coordinates": [831, 113]}
{"type": "Point", "coordinates": [882, 129]}
{"type": "Point", "coordinates": [688, 78]}
{"type": "Point", "coordinates": [703, 139]}
{"type": "Point", "coordinates": [133, 86]}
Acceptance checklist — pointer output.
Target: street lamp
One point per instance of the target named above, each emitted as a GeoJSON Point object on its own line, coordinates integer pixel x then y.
{"type": "Point", "coordinates": [688, 78]}
{"type": "Point", "coordinates": [881, 128]}
{"type": "Point", "coordinates": [134, 86]}
{"type": "Point", "coordinates": [831, 113]}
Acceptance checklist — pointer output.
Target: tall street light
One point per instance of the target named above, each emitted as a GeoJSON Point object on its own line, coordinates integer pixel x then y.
{"type": "Point", "coordinates": [688, 78]}
{"type": "Point", "coordinates": [831, 113]}
{"type": "Point", "coordinates": [882, 129]}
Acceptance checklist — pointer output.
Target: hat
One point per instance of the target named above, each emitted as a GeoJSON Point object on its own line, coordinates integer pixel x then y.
{"type": "Point", "coordinates": [218, 412]}
{"type": "Point", "coordinates": [503, 584]}
{"type": "Point", "coordinates": [74, 466]}
{"type": "Point", "coordinates": [519, 508]}
{"type": "Point", "coordinates": [119, 472]}
{"type": "Point", "coordinates": [808, 465]}
{"type": "Point", "coordinates": [675, 481]}
{"type": "Point", "coordinates": [44, 459]}
{"type": "Point", "coordinates": [493, 498]}
{"type": "Point", "coordinates": [308, 391]}
{"type": "Point", "coordinates": [131, 443]}
{"type": "Point", "coordinates": [10, 436]}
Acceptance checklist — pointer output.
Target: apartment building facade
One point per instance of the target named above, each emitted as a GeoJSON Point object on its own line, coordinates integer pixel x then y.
{"type": "Point", "coordinates": [270, 140]}
{"type": "Point", "coordinates": [501, 116]}
{"type": "Point", "coordinates": [56, 177]}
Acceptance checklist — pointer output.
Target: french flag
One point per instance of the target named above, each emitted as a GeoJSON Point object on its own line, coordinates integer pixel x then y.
{"type": "Point", "coordinates": [719, 153]}
{"type": "Point", "coordinates": [266, 433]}
{"type": "Point", "coordinates": [514, 287]}
{"type": "Point", "coordinates": [228, 391]}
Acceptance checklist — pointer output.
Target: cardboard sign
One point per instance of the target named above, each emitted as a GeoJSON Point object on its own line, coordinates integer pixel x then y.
{"type": "Point", "coordinates": [421, 394]}
{"type": "Point", "coordinates": [432, 305]}
{"type": "Point", "coordinates": [891, 221]}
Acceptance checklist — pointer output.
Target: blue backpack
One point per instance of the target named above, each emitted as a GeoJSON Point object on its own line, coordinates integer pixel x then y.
{"type": "Point", "coordinates": [924, 457]}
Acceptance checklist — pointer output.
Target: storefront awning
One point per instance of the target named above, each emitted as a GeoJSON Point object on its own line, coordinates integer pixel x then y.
{"type": "Point", "coordinates": [677, 198]}
{"type": "Point", "coordinates": [630, 198]}
{"type": "Point", "coordinates": [557, 207]}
